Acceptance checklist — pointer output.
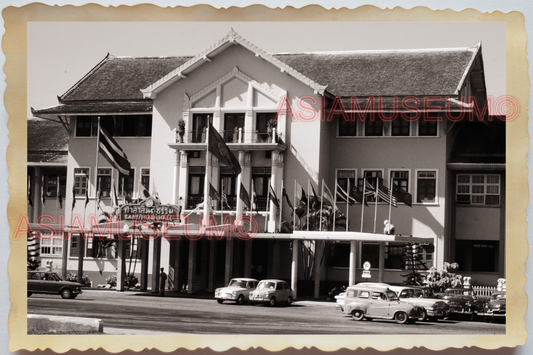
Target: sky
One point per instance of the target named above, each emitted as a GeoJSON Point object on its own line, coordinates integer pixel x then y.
{"type": "Point", "coordinates": [61, 53]}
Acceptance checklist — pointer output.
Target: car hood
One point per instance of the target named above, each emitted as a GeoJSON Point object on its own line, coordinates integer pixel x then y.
{"type": "Point", "coordinates": [423, 301]}
{"type": "Point", "coordinates": [229, 289]}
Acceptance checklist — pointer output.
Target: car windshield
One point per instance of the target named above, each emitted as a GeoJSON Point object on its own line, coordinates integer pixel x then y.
{"type": "Point", "coordinates": [391, 295]}
{"type": "Point", "coordinates": [237, 283]}
{"type": "Point", "coordinates": [266, 285]}
{"type": "Point", "coordinates": [54, 276]}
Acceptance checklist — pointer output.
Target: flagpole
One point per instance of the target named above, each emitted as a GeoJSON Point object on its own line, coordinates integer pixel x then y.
{"type": "Point", "coordinates": [334, 204]}
{"type": "Point", "coordinates": [390, 198]}
{"type": "Point", "coordinates": [321, 205]}
{"type": "Point", "coordinates": [222, 204]}
{"type": "Point", "coordinates": [268, 206]}
{"type": "Point", "coordinates": [280, 206]}
{"type": "Point", "coordinates": [376, 203]}
{"type": "Point", "coordinates": [363, 203]}
{"type": "Point", "coordinates": [294, 210]}
{"type": "Point", "coordinates": [347, 203]}
{"type": "Point", "coordinates": [207, 175]}
{"type": "Point", "coordinates": [308, 203]}
{"type": "Point", "coordinates": [96, 169]}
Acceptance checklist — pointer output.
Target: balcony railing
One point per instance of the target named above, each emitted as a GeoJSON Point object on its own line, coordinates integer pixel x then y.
{"type": "Point", "coordinates": [231, 136]}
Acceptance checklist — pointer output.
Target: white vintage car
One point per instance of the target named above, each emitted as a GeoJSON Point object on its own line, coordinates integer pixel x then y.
{"type": "Point", "coordinates": [238, 290]}
{"type": "Point", "coordinates": [434, 308]}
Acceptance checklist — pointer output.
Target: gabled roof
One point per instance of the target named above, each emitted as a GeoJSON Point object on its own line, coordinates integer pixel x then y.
{"type": "Point", "coordinates": [385, 73]}
{"type": "Point", "coordinates": [47, 142]}
{"type": "Point", "coordinates": [230, 39]}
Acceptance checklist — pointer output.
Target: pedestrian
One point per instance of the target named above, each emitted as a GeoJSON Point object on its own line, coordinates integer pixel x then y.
{"type": "Point", "coordinates": [162, 282]}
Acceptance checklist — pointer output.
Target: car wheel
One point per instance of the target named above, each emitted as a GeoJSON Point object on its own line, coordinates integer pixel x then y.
{"type": "Point", "coordinates": [272, 301]}
{"type": "Point", "coordinates": [289, 301]}
{"type": "Point", "coordinates": [66, 293]}
{"type": "Point", "coordinates": [240, 299]}
{"type": "Point", "coordinates": [401, 317]}
{"type": "Point", "coordinates": [423, 316]}
{"type": "Point", "coordinates": [29, 294]}
{"type": "Point", "coordinates": [219, 300]}
{"type": "Point", "coordinates": [358, 315]}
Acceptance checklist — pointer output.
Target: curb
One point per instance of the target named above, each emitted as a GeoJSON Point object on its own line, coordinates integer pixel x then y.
{"type": "Point", "coordinates": [57, 324]}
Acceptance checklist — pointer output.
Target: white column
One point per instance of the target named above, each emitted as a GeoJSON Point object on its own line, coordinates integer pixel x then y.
{"type": "Point", "coordinates": [249, 128]}
{"type": "Point", "coordinates": [274, 183]}
{"type": "Point", "coordinates": [294, 268]}
{"type": "Point", "coordinates": [207, 199]}
{"type": "Point", "coordinates": [175, 177]}
{"type": "Point", "coordinates": [351, 275]}
{"type": "Point", "coordinates": [240, 203]}
{"type": "Point", "coordinates": [184, 173]}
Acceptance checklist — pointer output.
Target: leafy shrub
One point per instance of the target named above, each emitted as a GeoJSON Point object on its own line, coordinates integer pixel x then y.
{"type": "Point", "coordinates": [73, 277]}
{"type": "Point", "coordinates": [131, 281]}
{"type": "Point", "coordinates": [439, 281]}
{"type": "Point", "coordinates": [111, 280]}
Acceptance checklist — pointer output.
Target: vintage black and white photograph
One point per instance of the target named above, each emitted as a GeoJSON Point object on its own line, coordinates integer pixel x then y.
{"type": "Point", "coordinates": [267, 178]}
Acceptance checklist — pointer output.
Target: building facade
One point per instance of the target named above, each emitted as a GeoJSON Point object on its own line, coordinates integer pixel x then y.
{"type": "Point", "coordinates": [413, 119]}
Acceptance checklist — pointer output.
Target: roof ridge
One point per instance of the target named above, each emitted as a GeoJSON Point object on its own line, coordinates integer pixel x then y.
{"type": "Point", "coordinates": [415, 50]}
{"type": "Point", "coordinates": [89, 73]}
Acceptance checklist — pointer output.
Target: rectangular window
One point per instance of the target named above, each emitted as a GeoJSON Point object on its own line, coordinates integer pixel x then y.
{"type": "Point", "coordinates": [477, 255]}
{"type": "Point", "coordinates": [74, 242]}
{"type": "Point", "coordinates": [261, 126]}
{"type": "Point", "coordinates": [343, 178]}
{"type": "Point", "coordinates": [199, 126]}
{"type": "Point", "coordinates": [52, 246]}
{"type": "Point", "coordinates": [426, 188]}
{"type": "Point", "coordinates": [232, 123]}
{"type": "Point", "coordinates": [145, 178]}
{"type": "Point", "coordinates": [104, 183]}
{"type": "Point", "coordinates": [228, 181]}
{"type": "Point", "coordinates": [400, 178]}
{"type": "Point", "coordinates": [81, 178]}
{"type": "Point", "coordinates": [117, 126]}
{"type": "Point", "coordinates": [339, 255]}
{"type": "Point", "coordinates": [373, 127]}
{"type": "Point", "coordinates": [125, 184]}
{"type": "Point", "coordinates": [261, 180]}
{"type": "Point", "coordinates": [101, 247]}
{"type": "Point", "coordinates": [346, 128]}
{"type": "Point", "coordinates": [196, 186]}
{"type": "Point", "coordinates": [427, 128]}
{"type": "Point", "coordinates": [400, 127]}
{"type": "Point", "coordinates": [478, 189]}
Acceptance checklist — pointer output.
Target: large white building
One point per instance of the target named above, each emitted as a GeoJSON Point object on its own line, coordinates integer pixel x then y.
{"type": "Point", "coordinates": [453, 168]}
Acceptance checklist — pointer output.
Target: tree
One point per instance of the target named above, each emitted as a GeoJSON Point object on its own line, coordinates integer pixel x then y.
{"type": "Point", "coordinates": [439, 281]}
{"type": "Point", "coordinates": [34, 259]}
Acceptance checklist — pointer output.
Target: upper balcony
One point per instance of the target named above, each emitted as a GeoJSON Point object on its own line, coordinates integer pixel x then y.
{"type": "Point", "coordinates": [236, 139]}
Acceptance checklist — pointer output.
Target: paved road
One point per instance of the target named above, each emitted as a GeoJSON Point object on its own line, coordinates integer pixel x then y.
{"type": "Point", "coordinates": [140, 312]}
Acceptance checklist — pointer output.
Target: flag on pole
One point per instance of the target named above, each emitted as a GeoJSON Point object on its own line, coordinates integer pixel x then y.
{"type": "Point", "coordinates": [245, 197]}
{"type": "Point", "coordinates": [343, 195]}
{"type": "Point", "coordinates": [218, 148]}
{"type": "Point", "coordinates": [59, 197]}
{"type": "Point", "coordinates": [224, 196]}
{"type": "Point", "coordinates": [114, 197]}
{"type": "Point", "coordinates": [327, 196]}
{"type": "Point", "coordinates": [354, 193]}
{"type": "Point", "coordinates": [30, 197]}
{"type": "Point", "coordinates": [272, 196]}
{"type": "Point", "coordinates": [144, 193]}
{"type": "Point", "coordinates": [213, 193]}
{"type": "Point", "coordinates": [113, 153]}
{"type": "Point", "coordinates": [314, 195]}
{"type": "Point", "coordinates": [401, 195]}
{"type": "Point", "coordinates": [86, 196]}
{"type": "Point", "coordinates": [73, 194]}
{"type": "Point", "coordinates": [385, 195]}
{"type": "Point", "coordinates": [43, 198]}
{"type": "Point", "coordinates": [284, 193]}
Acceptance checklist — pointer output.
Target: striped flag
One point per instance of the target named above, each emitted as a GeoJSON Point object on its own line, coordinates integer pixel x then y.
{"type": "Point", "coordinates": [327, 195]}
{"type": "Point", "coordinates": [114, 197]}
{"type": "Point", "coordinates": [401, 195]}
{"type": "Point", "coordinates": [343, 195]}
{"type": "Point", "coordinates": [224, 196]}
{"type": "Point", "coordinates": [354, 192]}
{"type": "Point", "coordinates": [73, 194]}
{"type": "Point", "coordinates": [113, 153]}
{"type": "Point", "coordinates": [385, 195]}
{"type": "Point", "coordinates": [213, 193]}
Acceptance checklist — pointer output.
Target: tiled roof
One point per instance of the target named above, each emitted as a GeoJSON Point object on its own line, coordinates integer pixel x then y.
{"type": "Point", "coordinates": [47, 142]}
{"type": "Point", "coordinates": [121, 78]}
{"type": "Point", "coordinates": [96, 108]}
{"type": "Point", "coordinates": [384, 73]}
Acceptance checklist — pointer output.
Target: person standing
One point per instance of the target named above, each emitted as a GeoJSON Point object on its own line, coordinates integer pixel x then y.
{"type": "Point", "coordinates": [162, 282]}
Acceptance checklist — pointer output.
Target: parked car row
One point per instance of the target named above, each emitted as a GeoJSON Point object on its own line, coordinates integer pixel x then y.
{"type": "Point", "coordinates": [455, 302]}
{"type": "Point", "coordinates": [241, 290]}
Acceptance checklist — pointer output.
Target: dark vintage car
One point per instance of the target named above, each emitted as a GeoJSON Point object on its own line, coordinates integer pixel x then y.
{"type": "Point", "coordinates": [461, 302]}
{"type": "Point", "coordinates": [379, 302]}
{"type": "Point", "coordinates": [434, 308]}
{"type": "Point", "coordinates": [496, 307]}
{"type": "Point", "coordinates": [51, 283]}
{"type": "Point", "coordinates": [272, 292]}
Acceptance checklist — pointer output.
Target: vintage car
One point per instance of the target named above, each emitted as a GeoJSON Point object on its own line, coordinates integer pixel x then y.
{"type": "Point", "coordinates": [496, 307]}
{"type": "Point", "coordinates": [238, 290]}
{"type": "Point", "coordinates": [369, 302]}
{"type": "Point", "coordinates": [461, 302]}
{"type": "Point", "coordinates": [51, 283]}
{"type": "Point", "coordinates": [434, 308]}
{"type": "Point", "coordinates": [339, 304]}
{"type": "Point", "coordinates": [272, 292]}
